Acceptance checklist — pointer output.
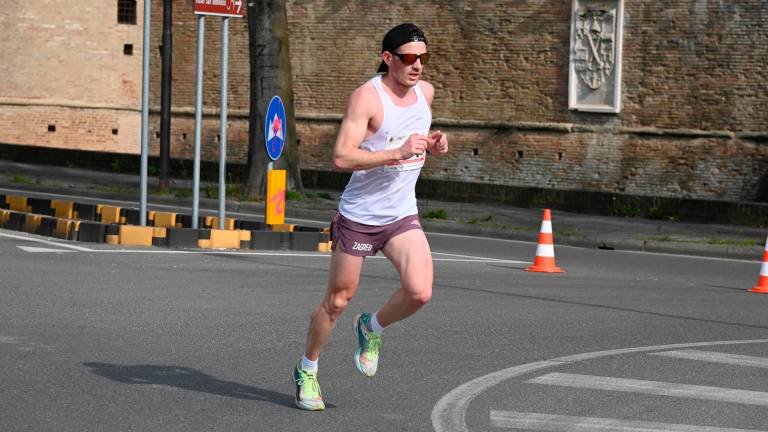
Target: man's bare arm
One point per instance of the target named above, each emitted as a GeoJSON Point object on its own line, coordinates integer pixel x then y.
{"type": "Point", "coordinates": [347, 154]}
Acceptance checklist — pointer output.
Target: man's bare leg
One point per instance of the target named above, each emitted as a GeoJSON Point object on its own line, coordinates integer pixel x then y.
{"type": "Point", "coordinates": [409, 252]}
{"type": "Point", "coordinates": [343, 280]}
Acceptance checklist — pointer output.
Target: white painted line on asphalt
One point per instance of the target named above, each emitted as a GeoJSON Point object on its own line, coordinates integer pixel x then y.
{"type": "Point", "coordinates": [468, 259]}
{"type": "Point", "coordinates": [627, 385]}
{"type": "Point", "coordinates": [564, 423]}
{"type": "Point", "coordinates": [449, 414]}
{"type": "Point", "coordinates": [432, 233]}
{"type": "Point", "coordinates": [39, 240]}
{"type": "Point", "coordinates": [481, 258]}
{"type": "Point", "coordinates": [717, 357]}
{"type": "Point", "coordinates": [40, 249]}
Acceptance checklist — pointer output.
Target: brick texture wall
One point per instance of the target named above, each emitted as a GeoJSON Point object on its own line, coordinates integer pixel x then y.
{"type": "Point", "coordinates": [64, 65]}
{"type": "Point", "coordinates": [694, 88]}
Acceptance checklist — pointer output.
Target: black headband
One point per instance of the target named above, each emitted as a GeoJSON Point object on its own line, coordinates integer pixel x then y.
{"type": "Point", "coordinates": [398, 36]}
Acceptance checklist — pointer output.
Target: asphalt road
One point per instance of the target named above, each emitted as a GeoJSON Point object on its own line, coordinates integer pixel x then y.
{"type": "Point", "coordinates": [105, 338]}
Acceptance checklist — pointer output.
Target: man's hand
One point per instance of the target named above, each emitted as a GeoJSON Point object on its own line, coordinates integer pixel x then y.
{"type": "Point", "coordinates": [438, 142]}
{"type": "Point", "coordinates": [415, 145]}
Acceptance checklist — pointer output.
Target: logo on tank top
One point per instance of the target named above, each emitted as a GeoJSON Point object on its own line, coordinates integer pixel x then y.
{"type": "Point", "coordinates": [413, 163]}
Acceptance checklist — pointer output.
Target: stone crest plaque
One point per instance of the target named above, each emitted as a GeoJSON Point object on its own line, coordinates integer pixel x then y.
{"type": "Point", "coordinates": [594, 77]}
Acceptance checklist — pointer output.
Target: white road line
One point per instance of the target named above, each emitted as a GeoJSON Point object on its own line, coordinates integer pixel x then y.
{"type": "Point", "coordinates": [449, 413]}
{"type": "Point", "coordinates": [563, 423]}
{"type": "Point", "coordinates": [40, 249]}
{"type": "Point", "coordinates": [468, 259]}
{"type": "Point", "coordinates": [627, 385]}
{"type": "Point", "coordinates": [481, 258]}
{"type": "Point", "coordinates": [717, 357]}
{"type": "Point", "coordinates": [39, 240]}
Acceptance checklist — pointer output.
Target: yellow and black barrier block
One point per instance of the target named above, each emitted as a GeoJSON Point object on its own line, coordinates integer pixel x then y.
{"type": "Point", "coordinates": [47, 226]}
{"type": "Point", "coordinates": [3, 204]}
{"type": "Point", "coordinates": [212, 222]}
{"type": "Point", "coordinates": [17, 203]}
{"type": "Point", "coordinates": [220, 239]}
{"type": "Point", "coordinates": [160, 236]}
{"type": "Point", "coordinates": [133, 216]}
{"type": "Point", "coordinates": [63, 209]}
{"type": "Point", "coordinates": [41, 206]}
{"type": "Point", "coordinates": [251, 225]}
{"type": "Point", "coordinates": [165, 220]}
{"type": "Point", "coordinates": [282, 227]}
{"type": "Point", "coordinates": [306, 241]}
{"type": "Point", "coordinates": [182, 237]}
{"type": "Point", "coordinates": [300, 228]}
{"type": "Point", "coordinates": [186, 221]}
{"type": "Point", "coordinates": [133, 235]}
{"type": "Point", "coordinates": [4, 215]}
{"type": "Point", "coordinates": [31, 222]}
{"type": "Point", "coordinates": [86, 212]}
{"type": "Point", "coordinates": [112, 234]}
{"type": "Point", "coordinates": [266, 240]}
{"type": "Point", "coordinates": [111, 214]}
{"type": "Point", "coordinates": [245, 239]}
{"type": "Point", "coordinates": [14, 220]}
{"type": "Point", "coordinates": [66, 229]}
{"type": "Point", "coordinates": [90, 231]}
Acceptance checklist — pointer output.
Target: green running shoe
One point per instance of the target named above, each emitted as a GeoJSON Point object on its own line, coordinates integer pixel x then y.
{"type": "Point", "coordinates": [367, 354]}
{"type": "Point", "coordinates": [308, 396]}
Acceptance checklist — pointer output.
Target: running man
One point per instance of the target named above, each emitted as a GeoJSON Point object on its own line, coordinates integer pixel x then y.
{"type": "Point", "coordinates": [384, 139]}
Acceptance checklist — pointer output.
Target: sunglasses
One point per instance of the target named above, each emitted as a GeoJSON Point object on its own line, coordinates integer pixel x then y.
{"type": "Point", "coordinates": [409, 59]}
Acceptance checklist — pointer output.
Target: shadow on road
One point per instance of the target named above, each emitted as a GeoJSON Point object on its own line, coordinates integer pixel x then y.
{"type": "Point", "coordinates": [186, 379]}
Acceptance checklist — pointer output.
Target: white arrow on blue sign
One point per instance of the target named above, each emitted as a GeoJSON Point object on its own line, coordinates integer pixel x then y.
{"type": "Point", "coordinates": [275, 128]}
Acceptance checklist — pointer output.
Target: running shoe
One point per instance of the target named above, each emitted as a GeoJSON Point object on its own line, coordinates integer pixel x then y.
{"type": "Point", "coordinates": [367, 354]}
{"type": "Point", "coordinates": [308, 396]}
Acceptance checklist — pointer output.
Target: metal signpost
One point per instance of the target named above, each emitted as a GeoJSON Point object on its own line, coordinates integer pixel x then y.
{"type": "Point", "coordinates": [275, 127]}
{"type": "Point", "coordinates": [144, 115]}
{"type": "Point", "coordinates": [225, 9]}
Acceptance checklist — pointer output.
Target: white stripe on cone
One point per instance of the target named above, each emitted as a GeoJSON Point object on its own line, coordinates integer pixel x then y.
{"type": "Point", "coordinates": [546, 227]}
{"type": "Point", "coordinates": [764, 269]}
{"type": "Point", "coordinates": [545, 250]}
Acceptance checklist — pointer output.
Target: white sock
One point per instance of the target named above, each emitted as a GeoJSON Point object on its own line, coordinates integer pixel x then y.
{"type": "Point", "coordinates": [374, 323]}
{"type": "Point", "coordinates": [307, 364]}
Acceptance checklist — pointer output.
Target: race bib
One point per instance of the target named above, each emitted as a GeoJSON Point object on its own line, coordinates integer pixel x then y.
{"type": "Point", "coordinates": [413, 163]}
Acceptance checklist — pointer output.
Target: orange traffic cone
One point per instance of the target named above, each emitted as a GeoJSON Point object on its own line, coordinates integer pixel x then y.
{"type": "Point", "coordinates": [545, 251]}
{"type": "Point", "coordinates": [762, 282]}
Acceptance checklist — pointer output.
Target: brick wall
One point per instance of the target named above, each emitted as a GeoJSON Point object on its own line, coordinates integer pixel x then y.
{"type": "Point", "coordinates": [693, 120]}
{"type": "Point", "coordinates": [64, 66]}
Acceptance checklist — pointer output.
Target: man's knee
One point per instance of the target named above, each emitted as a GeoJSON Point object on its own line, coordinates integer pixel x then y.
{"type": "Point", "coordinates": [335, 304]}
{"type": "Point", "coordinates": [421, 297]}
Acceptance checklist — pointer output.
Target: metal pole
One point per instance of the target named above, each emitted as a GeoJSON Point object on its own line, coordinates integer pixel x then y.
{"type": "Point", "coordinates": [144, 114]}
{"type": "Point", "coordinates": [223, 148]}
{"type": "Point", "coordinates": [165, 95]}
{"type": "Point", "coordinates": [198, 119]}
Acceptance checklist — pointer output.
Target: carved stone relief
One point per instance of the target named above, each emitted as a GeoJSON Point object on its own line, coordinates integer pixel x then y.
{"type": "Point", "coordinates": [594, 78]}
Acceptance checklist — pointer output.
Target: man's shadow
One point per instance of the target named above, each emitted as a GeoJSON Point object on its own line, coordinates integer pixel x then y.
{"type": "Point", "coordinates": [186, 379]}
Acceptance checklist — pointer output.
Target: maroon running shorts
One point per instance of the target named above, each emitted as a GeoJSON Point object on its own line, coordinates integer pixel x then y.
{"type": "Point", "coordinates": [365, 240]}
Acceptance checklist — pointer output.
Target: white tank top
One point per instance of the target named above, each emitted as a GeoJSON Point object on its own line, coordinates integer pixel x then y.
{"type": "Point", "coordinates": [385, 194]}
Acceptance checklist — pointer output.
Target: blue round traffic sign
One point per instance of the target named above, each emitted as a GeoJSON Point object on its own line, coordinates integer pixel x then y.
{"type": "Point", "coordinates": [275, 128]}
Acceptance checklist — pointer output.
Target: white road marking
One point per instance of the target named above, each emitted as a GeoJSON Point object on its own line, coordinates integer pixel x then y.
{"type": "Point", "coordinates": [627, 385]}
{"type": "Point", "coordinates": [563, 423]}
{"type": "Point", "coordinates": [450, 411]}
{"type": "Point", "coordinates": [482, 258]}
{"type": "Point", "coordinates": [717, 357]}
{"type": "Point", "coordinates": [34, 249]}
{"type": "Point", "coordinates": [53, 243]}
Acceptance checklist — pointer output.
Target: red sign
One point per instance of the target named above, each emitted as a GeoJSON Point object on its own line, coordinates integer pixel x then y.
{"type": "Point", "coordinates": [227, 8]}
